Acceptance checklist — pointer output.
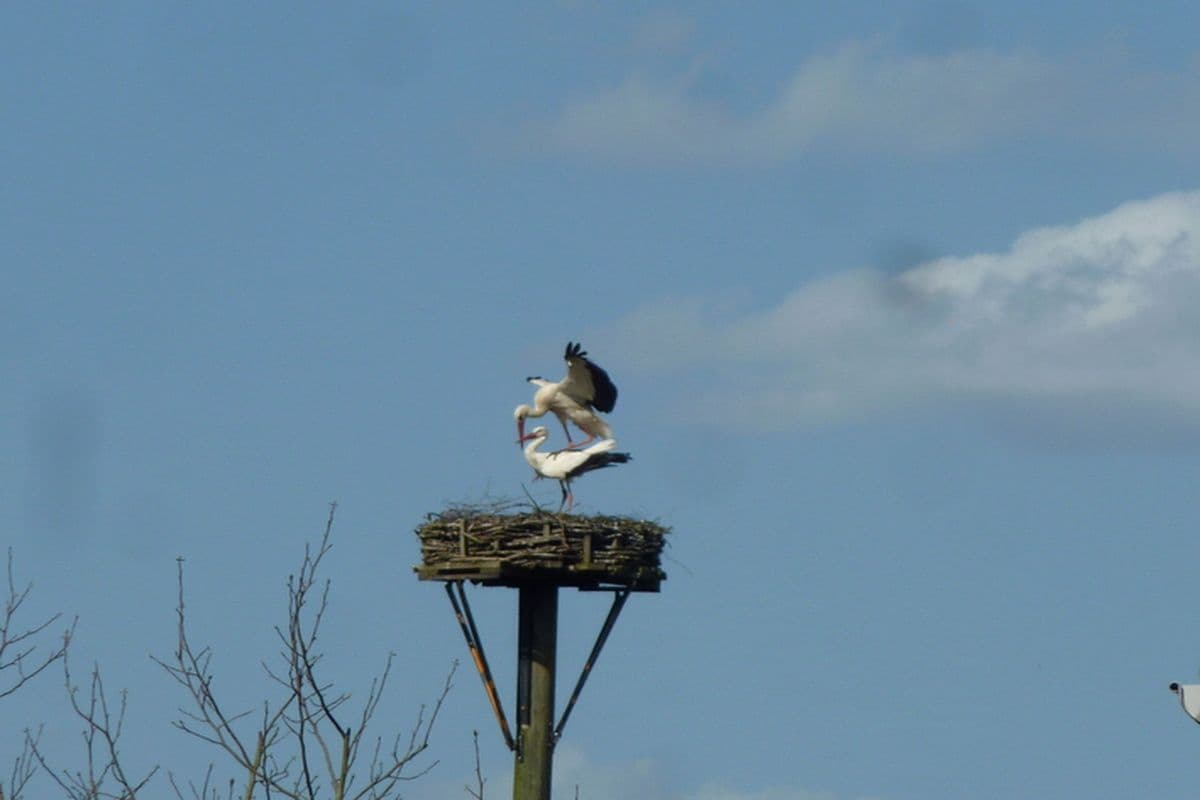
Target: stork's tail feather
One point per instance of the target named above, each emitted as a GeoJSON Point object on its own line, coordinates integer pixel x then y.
{"type": "Point", "coordinates": [600, 461]}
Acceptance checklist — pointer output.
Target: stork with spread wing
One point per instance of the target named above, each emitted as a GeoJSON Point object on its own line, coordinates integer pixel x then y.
{"type": "Point", "coordinates": [580, 397]}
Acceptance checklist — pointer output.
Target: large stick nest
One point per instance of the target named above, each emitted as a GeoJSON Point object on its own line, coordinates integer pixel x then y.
{"type": "Point", "coordinates": [526, 536]}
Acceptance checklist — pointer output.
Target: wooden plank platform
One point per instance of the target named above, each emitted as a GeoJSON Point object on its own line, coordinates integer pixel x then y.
{"type": "Point", "coordinates": [498, 572]}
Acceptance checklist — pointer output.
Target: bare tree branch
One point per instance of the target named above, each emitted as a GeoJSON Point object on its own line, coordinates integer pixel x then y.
{"type": "Point", "coordinates": [304, 746]}
{"type": "Point", "coordinates": [477, 791]}
{"type": "Point", "coordinates": [210, 723]}
{"type": "Point", "coordinates": [24, 768]}
{"type": "Point", "coordinates": [18, 664]}
{"type": "Point", "coordinates": [205, 791]}
{"type": "Point", "coordinates": [101, 739]}
{"type": "Point", "coordinates": [384, 775]}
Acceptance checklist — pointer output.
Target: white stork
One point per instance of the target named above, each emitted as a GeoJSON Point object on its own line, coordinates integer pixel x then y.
{"type": "Point", "coordinates": [586, 390]}
{"type": "Point", "coordinates": [566, 465]}
{"type": "Point", "coordinates": [1189, 698]}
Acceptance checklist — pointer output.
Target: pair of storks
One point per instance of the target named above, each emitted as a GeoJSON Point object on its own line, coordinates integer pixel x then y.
{"type": "Point", "coordinates": [578, 398]}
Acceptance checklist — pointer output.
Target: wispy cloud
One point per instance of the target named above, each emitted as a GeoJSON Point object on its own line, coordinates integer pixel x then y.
{"type": "Point", "coordinates": [1092, 322]}
{"type": "Point", "coordinates": [714, 791]}
{"type": "Point", "coordinates": [641, 778]}
{"type": "Point", "coordinates": [865, 96]}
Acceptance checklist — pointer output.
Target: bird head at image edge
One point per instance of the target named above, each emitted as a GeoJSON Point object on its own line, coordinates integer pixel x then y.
{"type": "Point", "coordinates": [1189, 698]}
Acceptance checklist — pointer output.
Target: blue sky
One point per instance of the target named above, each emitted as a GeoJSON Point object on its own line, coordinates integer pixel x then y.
{"type": "Point", "coordinates": [899, 301]}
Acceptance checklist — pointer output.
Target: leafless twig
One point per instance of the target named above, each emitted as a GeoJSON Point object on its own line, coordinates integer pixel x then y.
{"type": "Point", "coordinates": [207, 720]}
{"type": "Point", "coordinates": [20, 662]}
{"type": "Point", "coordinates": [306, 743]}
{"type": "Point", "coordinates": [477, 790]}
{"type": "Point", "coordinates": [205, 791]}
{"type": "Point", "coordinates": [101, 740]}
{"type": "Point", "coordinates": [24, 768]}
{"type": "Point", "coordinates": [18, 665]}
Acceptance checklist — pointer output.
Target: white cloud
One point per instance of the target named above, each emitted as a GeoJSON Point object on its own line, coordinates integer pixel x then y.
{"type": "Point", "coordinates": [714, 791]}
{"type": "Point", "coordinates": [641, 120]}
{"type": "Point", "coordinates": [864, 96]}
{"type": "Point", "coordinates": [1094, 321]}
{"type": "Point", "coordinates": [641, 779]}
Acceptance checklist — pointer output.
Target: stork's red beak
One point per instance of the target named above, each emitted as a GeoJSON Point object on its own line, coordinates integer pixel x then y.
{"type": "Point", "coordinates": [520, 430]}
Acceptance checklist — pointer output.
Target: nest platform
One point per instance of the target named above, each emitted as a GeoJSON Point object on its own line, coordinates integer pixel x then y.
{"type": "Point", "coordinates": [514, 549]}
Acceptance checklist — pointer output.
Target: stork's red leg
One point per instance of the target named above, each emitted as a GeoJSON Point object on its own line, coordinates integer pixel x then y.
{"type": "Point", "coordinates": [575, 445]}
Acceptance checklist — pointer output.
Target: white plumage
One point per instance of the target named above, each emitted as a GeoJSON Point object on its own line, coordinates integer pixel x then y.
{"type": "Point", "coordinates": [566, 465]}
{"type": "Point", "coordinates": [1189, 698]}
{"type": "Point", "coordinates": [579, 397]}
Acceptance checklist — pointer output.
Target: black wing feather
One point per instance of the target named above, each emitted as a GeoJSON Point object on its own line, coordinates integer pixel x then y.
{"type": "Point", "coordinates": [605, 391]}
{"type": "Point", "coordinates": [599, 461]}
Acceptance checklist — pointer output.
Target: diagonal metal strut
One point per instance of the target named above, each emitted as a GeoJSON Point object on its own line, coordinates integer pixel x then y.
{"type": "Point", "coordinates": [619, 598]}
{"type": "Point", "coordinates": [466, 621]}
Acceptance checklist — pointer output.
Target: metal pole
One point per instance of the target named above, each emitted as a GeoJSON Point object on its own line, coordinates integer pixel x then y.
{"type": "Point", "coordinates": [537, 641]}
{"type": "Point", "coordinates": [475, 646]}
{"type": "Point", "coordinates": [619, 599]}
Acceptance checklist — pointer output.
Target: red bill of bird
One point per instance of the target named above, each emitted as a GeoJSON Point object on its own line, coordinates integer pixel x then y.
{"type": "Point", "coordinates": [565, 466]}
{"type": "Point", "coordinates": [580, 398]}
